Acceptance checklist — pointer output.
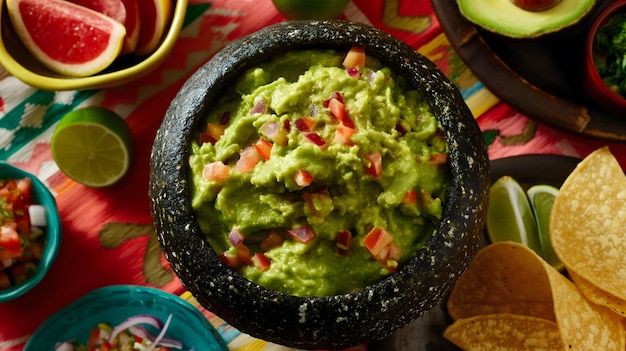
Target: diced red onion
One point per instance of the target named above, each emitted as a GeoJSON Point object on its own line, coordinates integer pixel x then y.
{"type": "Point", "coordinates": [37, 214]}
{"type": "Point", "coordinates": [371, 76]}
{"type": "Point", "coordinates": [301, 125]}
{"type": "Point", "coordinates": [270, 129]}
{"type": "Point", "coordinates": [302, 234]}
{"type": "Point", "coordinates": [136, 320]}
{"type": "Point", "coordinates": [316, 139]}
{"type": "Point", "coordinates": [235, 237]}
{"type": "Point", "coordinates": [225, 118]}
{"type": "Point", "coordinates": [259, 107]}
{"type": "Point", "coordinates": [353, 72]}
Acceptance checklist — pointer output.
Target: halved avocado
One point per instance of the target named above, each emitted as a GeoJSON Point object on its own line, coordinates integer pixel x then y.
{"type": "Point", "coordinates": [503, 17]}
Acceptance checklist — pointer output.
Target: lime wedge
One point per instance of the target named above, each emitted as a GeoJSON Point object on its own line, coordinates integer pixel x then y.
{"type": "Point", "coordinates": [510, 216]}
{"type": "Point", "coordinates": [541, 199]}
{"type": "Point", "coordinates": [92, 146]}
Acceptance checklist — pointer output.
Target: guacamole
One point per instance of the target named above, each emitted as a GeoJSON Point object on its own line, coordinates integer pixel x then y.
{"type": "Point", "coordinates": [318, 173]}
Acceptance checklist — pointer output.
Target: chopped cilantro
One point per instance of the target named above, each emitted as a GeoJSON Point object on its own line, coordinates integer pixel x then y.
{"type": "Point", "coordinates": [610, 53]}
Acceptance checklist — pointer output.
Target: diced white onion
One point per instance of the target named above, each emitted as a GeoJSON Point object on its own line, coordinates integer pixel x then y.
{"type": "Point", "coordinates": [37, 215]}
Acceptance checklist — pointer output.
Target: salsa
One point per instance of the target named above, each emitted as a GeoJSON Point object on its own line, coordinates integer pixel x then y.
{"type": "Point", "coordinates": [610, 53]}
{"type": "Point", "coordinates": [319, 173]}
{"type": "Point", "coordinates": [21, 241]}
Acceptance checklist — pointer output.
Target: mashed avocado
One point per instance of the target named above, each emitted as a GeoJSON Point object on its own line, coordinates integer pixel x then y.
{"type": "Point", "coordinates": [316, 179]}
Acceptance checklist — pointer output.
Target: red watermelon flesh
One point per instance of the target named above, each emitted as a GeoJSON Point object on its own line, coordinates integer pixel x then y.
{"type": "Point", "coordinates": [112, 8]}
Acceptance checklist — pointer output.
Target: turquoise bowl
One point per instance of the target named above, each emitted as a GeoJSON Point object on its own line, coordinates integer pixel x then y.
{"type": "Point", "coordinates": [114, 304]}
{"type": "Point", "coordinates": [44, 197]}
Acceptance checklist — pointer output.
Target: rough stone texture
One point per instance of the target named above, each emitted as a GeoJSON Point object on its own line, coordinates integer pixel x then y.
{"type": "Point", "coordinates": [333, 321]}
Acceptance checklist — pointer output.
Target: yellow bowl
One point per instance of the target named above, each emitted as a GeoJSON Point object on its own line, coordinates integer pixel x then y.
{"type": "Point", "coordinates": [22, 64]}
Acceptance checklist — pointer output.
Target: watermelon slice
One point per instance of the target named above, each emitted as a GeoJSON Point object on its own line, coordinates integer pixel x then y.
{"type": "Point", "coordinates": [67, 38]}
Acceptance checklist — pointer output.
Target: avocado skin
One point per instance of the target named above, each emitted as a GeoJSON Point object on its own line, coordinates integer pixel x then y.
{"type": "Point", "coordinates": [329, 322]}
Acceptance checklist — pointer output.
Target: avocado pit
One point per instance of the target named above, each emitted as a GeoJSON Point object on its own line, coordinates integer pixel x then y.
{"type": "Point", "coordinates": [535, 5]}
{"type": "Point", "coordinates": [525, 18]}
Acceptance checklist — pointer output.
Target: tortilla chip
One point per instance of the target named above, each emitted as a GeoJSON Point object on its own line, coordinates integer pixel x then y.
{"type": "Point", "coordinates": [499, 280]}
{"type": "Point", "coordinates": [588, 223]}
{"type": "Point", "coordinates": [583, 324]}
{"type": "Point", "coordinates": [598, 296]}
{"type": "Point", "coordinates": [505, 332]}
{"type": "Point", "coordinates": [508, 277]}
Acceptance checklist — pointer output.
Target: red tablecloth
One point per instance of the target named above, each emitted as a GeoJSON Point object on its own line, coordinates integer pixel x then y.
{"type": "Point", "coordinates": [108, 236]}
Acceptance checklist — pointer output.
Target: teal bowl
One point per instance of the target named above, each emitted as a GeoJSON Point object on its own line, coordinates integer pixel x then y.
{"type": "Point", "coordinates": [114, 304]}
{"type": "Point", "coordinates": [44, 197]}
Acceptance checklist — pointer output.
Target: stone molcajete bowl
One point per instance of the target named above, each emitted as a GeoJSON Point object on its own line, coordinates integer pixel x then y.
{"type": "Point", "coordinates": [338, 321]}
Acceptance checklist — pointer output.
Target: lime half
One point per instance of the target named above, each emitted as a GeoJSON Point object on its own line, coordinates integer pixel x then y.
{"type": "Point", "coordinates": [510, 216]}
{"type": "Point", "coordinates": [92, 146]}
{"type": "Point", "coordinates": [541, 199]}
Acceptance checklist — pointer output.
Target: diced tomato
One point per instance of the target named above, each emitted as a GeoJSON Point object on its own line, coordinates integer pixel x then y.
{"type": "Point", "coordinates": [5, 282]}
{"type": "Point", "coordinates": [355, 57]}
{"type": "Point", "coordinates": [410, 197]}
{"type": "Point", "coordinates": [316, 139]}
{"type": "Point", "coordinates": [215, 130]}
{"type": "Point", "coordinates": [389, 257]}
{"type": "Point", "coordinates": [243, 253]}
{"type": "Point", "coordinates": [374, 164]}
{"type": "Point", "coordinates": [216, 171]}
{"type": "Point", "coordinates": [230, 258]}
{"type": "Point", "coordinates": [94, 339]}
{"type": "Point", "coordinates": [438, 159]}
{"type": "Point", "coordinates": [10, 243]}
{"type": "Point", "coordinates": [34, 250]}
{"type": "Point", "coordinates": [271, 240]}
{"type": "Point", "coordinates": [261, 261]}
{"type": "Point", "coordinates": [343, 134]}
{"type": "Point", "coordinates": [24, 187]}
{"type": "Point", "coordinates": [212, 134]}
{"type": "Point", "coordinates": [248, 158]}
{"type": "Point", "coordinates": [334, 95]}
{"type": "Point", "coordinates": [344, 240]}
{"type": "Point", "coordinates": [305, 124]}
{"type": "Point", "coordinates": [376, 240]}
{"type": "Point", "coordinates": [401, 128]}
{"type": "Point", "coordinates": [205, 138]}
{"type": "Point", "coordinates": [264, 148]}
{"type": "Point", "coordinates": [337, 109]}
{"type": "Point", "coordinates": [302, 234]}
{"type": "Point", "coordinates": [303, 178]}
{"type": "Point", "coordinates": [22, 271]}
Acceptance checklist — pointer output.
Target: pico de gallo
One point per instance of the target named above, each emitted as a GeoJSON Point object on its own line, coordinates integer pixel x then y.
{"type": "Point", "coordinates": [130, 335]}
{"type": "Point", "coordinates": [319, 172]}
{"type": "Point", "coordinates": [22, 237]}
